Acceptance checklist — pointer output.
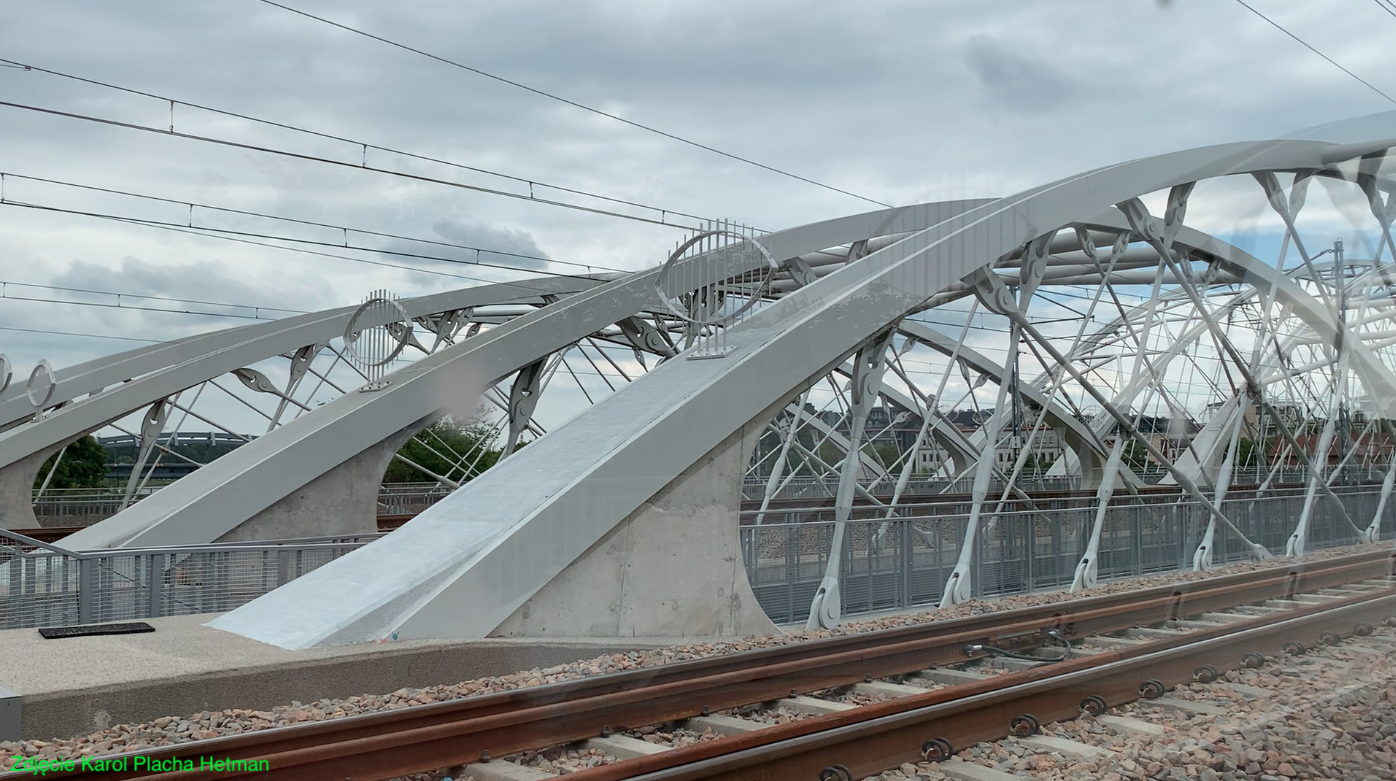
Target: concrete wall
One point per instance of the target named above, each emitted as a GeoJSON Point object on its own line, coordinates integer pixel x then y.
{"type": "Point", "coordinates": [341, 501]}
{"type": "Point", "coordinates": [673, 568]}
{"type": "Point", "coordinates": [17, 490]}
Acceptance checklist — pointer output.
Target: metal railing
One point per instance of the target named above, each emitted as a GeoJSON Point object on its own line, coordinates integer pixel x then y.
{"type": "Point", "coordinates": [86, 506]}
{"type": "Point", "coordinates": [82, 506]}
{"type": "Point", "coordinates": [906, 561]}
{"type": "Point", "coordinates": [887, 564]}
{"type": "Point", "coordinates": [824, 488]}
{"type": "Point", "coordinates": [46, 585]}
{"type": "Point", "coordinates": [409, 498]}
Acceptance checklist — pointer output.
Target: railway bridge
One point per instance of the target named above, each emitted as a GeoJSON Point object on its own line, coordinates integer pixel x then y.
{"type": "Point", "coordinates": [1082, 308]}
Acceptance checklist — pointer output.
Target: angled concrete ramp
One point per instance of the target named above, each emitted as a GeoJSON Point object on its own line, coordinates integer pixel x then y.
{"type": "Point", "coordinates": [473, 559]}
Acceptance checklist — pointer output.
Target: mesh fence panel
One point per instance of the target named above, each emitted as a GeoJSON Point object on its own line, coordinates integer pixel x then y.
{"type": "Point", "coordinates": [47, 586]}
{"type": "Point", "coordinates": [905, 561]}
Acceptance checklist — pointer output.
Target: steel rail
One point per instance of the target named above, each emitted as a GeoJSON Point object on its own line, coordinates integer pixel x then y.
{"type": "Point", "coordinates": [883, 735]}
{"type": "Point", "coordinates": [394, 743]}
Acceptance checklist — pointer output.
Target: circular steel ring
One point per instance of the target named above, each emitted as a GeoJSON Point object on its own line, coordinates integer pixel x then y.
{"type": "Point", "coordinates": [7, 372]}
{"type": "Point", "coordinates": [1252, 660]}
{"type": "Point", "coordinates": [1294, 649]}
{"type": "Point", "coordinates": [1330, 638]}
{"type": "Point", "coordinates": [836, 773]}
{"type": "Point", "coordinates": [1205, 674]}
{"type": "Point", "coordinates": [352, 332]}
{"type": "Point", "coordinates": [41, 384]}
{"type": "Point", "coordinates": [1152, 689]}
{"type": "Point", "coordinates": [1362, 630]}
{"type": "Point", "coordinates": [771, 267]}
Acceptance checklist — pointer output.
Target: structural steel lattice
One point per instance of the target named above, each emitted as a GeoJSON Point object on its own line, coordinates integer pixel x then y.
{"type": "Point", "coordinates": [1113, 342]}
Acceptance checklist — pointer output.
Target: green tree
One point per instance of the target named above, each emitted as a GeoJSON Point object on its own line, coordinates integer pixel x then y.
{"type": "Point", "coordinates": [830, 454]}
{"type": "Point", "coordinates": [1135, 457]}
{"type": "Point", "coordinates": [84, 465]}
{"type": "Point", "coordinates": [1038, 465]}
{"type": "Point", "coordinates": [885, 453]}
{"type": "Point", "coordinates": [460, 442]}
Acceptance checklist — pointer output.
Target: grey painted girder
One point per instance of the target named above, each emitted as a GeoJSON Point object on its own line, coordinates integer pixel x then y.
{"type": "Point", "coordinates": [451, 572]}
{"type": "Point", "coordinates": [100, 373]}
{"type": "Point", "coordinates": [866, 383]}
{"type": "Point", "coordinates": [220, 353]}
{"type": "Point", "coordinates": [1279, 286]}
{"type": "Point", "coordinates": [1082, 439]}
{"type": "Point", "coordinates": [209, 503]}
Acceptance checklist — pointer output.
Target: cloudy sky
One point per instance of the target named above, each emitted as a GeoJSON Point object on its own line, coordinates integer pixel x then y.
{"type": "Point", "coordinates": [899, 102]}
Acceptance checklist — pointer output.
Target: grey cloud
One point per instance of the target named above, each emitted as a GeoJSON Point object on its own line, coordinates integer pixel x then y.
{"type": "Point", "coordinates": [472, 266]}
{"type": "Point", "coordinates": [519, 242]}
{"type": "Point", "coordinates": [225, 290]}
{"type": "Point", "coordinates": [1020, 83]}
{"type": "Point", "coordinates": [882, 99]}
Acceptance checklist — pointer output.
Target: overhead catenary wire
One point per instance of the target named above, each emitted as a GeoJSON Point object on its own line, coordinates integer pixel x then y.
{"type": "Point", "coordinates": [199, 232]}
{"type": "Point", "coordinates": [342, 228]}
{"type": "Point", "coordinates": [47, 332]}
{"type": "Point", "coordinates": [340, 163]}
{"type": "Point", "coordinates": [364, 146]}
{"type": "Point", "coordinates": [573, 103]}
{"type": "Point", "coordinates": [1311, 48]}
{"type": "Point", "coordinates": [219, 233]}
{"type": "Point", "coordinates": [5, 284]}
{"type": "Point", "coordinates": [32, 299]}
{"type": "Point", "coordinates": [6, 294]}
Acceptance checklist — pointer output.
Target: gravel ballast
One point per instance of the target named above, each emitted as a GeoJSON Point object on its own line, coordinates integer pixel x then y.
{"type": "Point", "coordinates": [1329, 714]}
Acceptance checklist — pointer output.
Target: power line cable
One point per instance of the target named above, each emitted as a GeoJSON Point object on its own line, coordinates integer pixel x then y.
{"type": "Point", "coordinates": [1331, 61]}
{"type": "Point", "coordinates": [523, 284]}
{"type": "Point", "coordinates": [1386, 6]}
{"type": "Point", "coordinates": [71, 333]}
{"type": "Point", "coordinates": [365, 146]}
{"type": "Point", "coordinates": [6, 284]}
{"type": "Point", "coordinates": [197, 232]}
{"type": "Point", "coordinates": [358, 167]}
{"type": "Point", "coordinates": [6, 296]}
{"type": "Point", "coordinates": [573, 103]}
{"type": "Point", "coordinates": [219, 232]}
{"type": "Point", "coordinates": [345, 229]}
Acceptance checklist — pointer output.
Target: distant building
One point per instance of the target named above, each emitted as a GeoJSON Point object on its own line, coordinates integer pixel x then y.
{"type": "Point", "coordinates": [198, 446]}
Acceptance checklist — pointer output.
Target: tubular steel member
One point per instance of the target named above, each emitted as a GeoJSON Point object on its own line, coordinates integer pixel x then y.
{"type": "Point", "coordinates": [391, 744]}
{"type": "Point", "coordinates": [866, 383]}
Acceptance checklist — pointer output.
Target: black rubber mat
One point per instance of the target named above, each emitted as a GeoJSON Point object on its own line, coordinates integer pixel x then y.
{"type": "Point", "coordinates": [56, 632]}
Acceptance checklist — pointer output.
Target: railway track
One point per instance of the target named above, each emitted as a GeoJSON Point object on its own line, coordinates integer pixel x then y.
{"type": "Point", "coordinates": [940, 687]}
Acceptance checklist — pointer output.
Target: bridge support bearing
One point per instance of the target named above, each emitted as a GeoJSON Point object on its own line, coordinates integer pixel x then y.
{"type": "Point", "coordinates": [673, 568]}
